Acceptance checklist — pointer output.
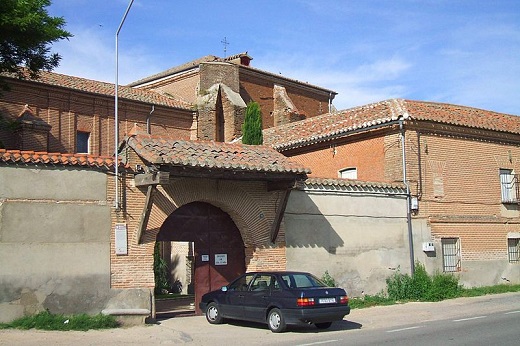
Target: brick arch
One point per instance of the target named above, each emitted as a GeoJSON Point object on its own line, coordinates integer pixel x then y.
{"type": "Point", "coordinates": [229, 196]}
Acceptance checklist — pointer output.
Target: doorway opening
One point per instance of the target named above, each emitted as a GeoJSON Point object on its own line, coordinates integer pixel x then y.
{"type": "Point", "coordinates": [203, 249]}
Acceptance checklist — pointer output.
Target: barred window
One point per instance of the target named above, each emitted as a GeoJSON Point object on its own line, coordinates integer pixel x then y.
{"type": "Point", "coordinates": [513, 250]}
{"type": "Point", "coordinates": [450, 254]}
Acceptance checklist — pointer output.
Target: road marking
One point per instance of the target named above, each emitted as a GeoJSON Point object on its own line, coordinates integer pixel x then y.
{"type": "Point", "coordinates": [469, 318]}
{"type": "Point", "coordinates": [400, 330]}
{"type": "Point", "coordinates": [512, 312]}
{"type": "Point", "coordinates": [319, 342]}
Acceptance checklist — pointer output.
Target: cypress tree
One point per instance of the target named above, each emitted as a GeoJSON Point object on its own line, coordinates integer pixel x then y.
{"type": "Point", "coordinates": [252, 127]}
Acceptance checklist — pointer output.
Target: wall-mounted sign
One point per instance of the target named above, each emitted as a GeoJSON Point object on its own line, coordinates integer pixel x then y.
{"type": "Point", "coordinates": [205, 258]}
{"type": "Point", "coordinates": [221, 259]}
{"type": "Point", "coordinates": [121, 239]}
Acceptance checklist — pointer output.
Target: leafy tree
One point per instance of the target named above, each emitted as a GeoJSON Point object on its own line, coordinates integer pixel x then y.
{"type": "Point", "coordinates": [26, 33]}
{"type": "Point", "coordinates": [252, 127]}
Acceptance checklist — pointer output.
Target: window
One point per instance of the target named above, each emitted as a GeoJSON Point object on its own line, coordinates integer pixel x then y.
{"type": "Point", "coordinates": [348, 173]}
{"type": "Point", "coordinates": [513, 249]}
{"type": "Point", "coordinates": [264, 282]}
{"type": "Point", "coordinates": [83, 142]}
{"type": "Point", "coordinates": [241, 284]}
{"type": "Point", "coordinates": [508, 186]}
{"type": "Point", "coordinates": [450, 254]}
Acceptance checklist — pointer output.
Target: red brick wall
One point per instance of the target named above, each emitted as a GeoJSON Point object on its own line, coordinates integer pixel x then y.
{"type": "Point", "coordinates": [367, 156]}
{"type": "Point", "coordinates": [68, 111]}
{"type": "Point", "coordinates": [260, 89]}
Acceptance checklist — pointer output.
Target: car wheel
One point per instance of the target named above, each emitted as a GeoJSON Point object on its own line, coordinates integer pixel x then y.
{"type": "Point", "coordinates": [213, 314]}
{"type": "Point", "coordinates": [276, 321]}
{"type": "Point", "coordinates": [323, 325]}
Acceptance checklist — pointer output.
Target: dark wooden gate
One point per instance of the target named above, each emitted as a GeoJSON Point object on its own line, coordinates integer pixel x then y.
{"type": "Point", "coordinates": [218, 245]}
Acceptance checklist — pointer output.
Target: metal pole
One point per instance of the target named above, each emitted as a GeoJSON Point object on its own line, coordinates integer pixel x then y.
{"type": "Point", "coordinates": [408, 200]}
{"type": "Point", "coordinates": [116, 115]}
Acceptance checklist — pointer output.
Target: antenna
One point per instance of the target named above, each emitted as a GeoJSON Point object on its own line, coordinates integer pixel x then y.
{"type": "Point", "coordinates": [225, 43]}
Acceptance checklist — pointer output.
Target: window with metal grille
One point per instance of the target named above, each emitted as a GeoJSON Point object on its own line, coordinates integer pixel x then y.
{"type": "Point", "coordinates": [513, 249]}
{"type": "Point", "coordinates": [450, 254]}
{"type": "Point", "coordinates": [508, 186]}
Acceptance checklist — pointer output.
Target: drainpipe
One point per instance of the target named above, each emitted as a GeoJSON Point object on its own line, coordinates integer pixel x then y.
{"type": "Point", "coordinates": [148, 118]}
{"type": "Point", "coordinates": [408, 198]}
{"type": "Point", "coordinates": [330, 102]}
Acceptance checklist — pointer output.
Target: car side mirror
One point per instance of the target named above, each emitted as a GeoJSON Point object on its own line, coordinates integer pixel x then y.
{"type": "Point", "coordinates": [223, 288]}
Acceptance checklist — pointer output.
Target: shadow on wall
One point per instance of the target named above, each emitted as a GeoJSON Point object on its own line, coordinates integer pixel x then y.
{"type": "Point", "coordinates": [306, 227]}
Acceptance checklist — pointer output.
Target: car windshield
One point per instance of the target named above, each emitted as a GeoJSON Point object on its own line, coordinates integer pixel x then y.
{"type": "Point", "coordinates": [302, 281]}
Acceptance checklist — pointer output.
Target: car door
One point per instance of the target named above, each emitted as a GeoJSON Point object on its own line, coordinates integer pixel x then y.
{"type": "Point", "coordinates": [232, 306]}
{"type": "Point", "coordinates": [257, 298]}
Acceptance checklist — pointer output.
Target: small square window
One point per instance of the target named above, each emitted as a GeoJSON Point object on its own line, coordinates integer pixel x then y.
{"type": "Point", "coordinates": [83, 142]}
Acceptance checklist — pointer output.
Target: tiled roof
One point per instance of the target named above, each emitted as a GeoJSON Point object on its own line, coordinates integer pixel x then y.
{"type": "Point", "coordinates": [106, 89]}
{"type": "Point", "coordinates": [354, 185]}
{"type": "Point", "coordinates": [213, 155]}
{"type": "Point", "coordinates": [34, 157]}
{"type": "Point", "coordinates": [327, 126]}
{"type": "Point", "coordinates": [213, 58]}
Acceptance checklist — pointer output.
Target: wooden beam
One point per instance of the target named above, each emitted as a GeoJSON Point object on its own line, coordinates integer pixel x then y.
{"type": "Point", "coordinates": [155, 178]}
{"type": "Point", "coordinates": [275, 229]}
{"type": "Point", "coordinates": [145, 215]}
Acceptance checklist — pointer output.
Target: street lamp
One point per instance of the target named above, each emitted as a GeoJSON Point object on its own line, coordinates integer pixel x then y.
{"type": "Point", "coordinates": [116, 115]}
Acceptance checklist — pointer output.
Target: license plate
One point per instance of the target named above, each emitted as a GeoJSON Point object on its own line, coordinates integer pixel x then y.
{"type": "Point", "coordinates": [327, 300]}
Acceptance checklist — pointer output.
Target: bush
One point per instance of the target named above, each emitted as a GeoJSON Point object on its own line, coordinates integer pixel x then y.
{"type": "Point", "coordinates": [328, 280]}
{"type": "Point", "coordinates": [423, 287]}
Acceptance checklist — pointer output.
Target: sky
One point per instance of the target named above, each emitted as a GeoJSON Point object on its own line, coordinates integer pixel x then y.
{"type": "Point", "coordinates": [464, 52]}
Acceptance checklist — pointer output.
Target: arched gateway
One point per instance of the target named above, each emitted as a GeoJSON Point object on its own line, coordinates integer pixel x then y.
{"type": "Point", "coordinates": [218, 246]}
{"type": "Point", "coordinates": [226, 199]}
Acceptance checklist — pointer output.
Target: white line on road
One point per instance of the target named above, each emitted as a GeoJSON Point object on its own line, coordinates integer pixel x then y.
{"type": "Point", "coordinates": [400, 330]}
{"type": "Point", "coordinates": [469, 318]}
{"type": "Point", "coordinates": [319, 342]}
{"type": "Point", "coordinates": [512, 312]}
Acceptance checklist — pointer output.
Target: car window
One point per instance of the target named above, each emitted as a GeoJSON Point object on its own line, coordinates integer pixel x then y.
{"type": "Point", "coordinates": [241, 284]}
{"type": "Point", "coordinates": [302, 281]}
{"type": "Point", "coordinates": [263, 282]}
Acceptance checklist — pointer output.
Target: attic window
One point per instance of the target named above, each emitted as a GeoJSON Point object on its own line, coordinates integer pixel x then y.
{"type": "Point", "coordinates": [348, 173]}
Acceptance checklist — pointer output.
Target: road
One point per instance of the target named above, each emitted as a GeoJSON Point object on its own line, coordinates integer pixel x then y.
{"type": "Point", "coordinates": [486, 320]}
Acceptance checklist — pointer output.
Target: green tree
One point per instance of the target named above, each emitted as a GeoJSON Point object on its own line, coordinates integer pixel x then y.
{"type": "Point", "coordinates": [252, 127]}
{"type": "Point", "coordinates": [26, 33]}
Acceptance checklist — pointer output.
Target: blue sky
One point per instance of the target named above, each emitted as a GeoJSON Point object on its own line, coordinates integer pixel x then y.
{"type": "Point", "coordinates": [463, 52]}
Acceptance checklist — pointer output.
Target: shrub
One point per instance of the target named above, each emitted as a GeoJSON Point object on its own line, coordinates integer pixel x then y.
{"type": "Point", "coordinates": [399, 286]}
{"type": "Point", "coordinates": [443, 286]}
{"type": "Point", "coordinates": [328, 280]}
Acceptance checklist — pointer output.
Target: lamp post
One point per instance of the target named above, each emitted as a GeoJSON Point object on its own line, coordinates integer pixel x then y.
{"type": "Point", "coordinates": [116, 115]}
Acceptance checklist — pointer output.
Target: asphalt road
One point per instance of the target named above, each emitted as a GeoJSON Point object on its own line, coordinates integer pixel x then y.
{"type": "Point", "coordinates": [483, 320]}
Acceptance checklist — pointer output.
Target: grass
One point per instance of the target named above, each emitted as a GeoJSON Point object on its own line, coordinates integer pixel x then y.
{"type": "Point", "coordinates": [380, 299]}
{"type": "Point", "coordinates": [47, 321]}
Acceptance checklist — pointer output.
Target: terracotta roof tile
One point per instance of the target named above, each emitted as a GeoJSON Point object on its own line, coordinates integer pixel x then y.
{"type": "Point", "coordinates": [339, 182]}
{"type": "Point", "coordinates": [106, 89]}
{"type": "Point", "coordinates": [327, 126]}
{"type": "Point", "coordinates": [32, 157]}
{"type": "Point", "coordinates": [208, 154]}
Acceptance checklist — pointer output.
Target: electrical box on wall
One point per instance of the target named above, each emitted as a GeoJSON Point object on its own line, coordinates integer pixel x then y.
{"type": "Point", "coordinates": [428, 246]}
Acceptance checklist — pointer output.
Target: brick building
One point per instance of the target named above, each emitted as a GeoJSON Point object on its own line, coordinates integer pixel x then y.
{"type": "Point", "coordinates": [183, 173]}
{"type": "Point", "coordinates": [461, 167]}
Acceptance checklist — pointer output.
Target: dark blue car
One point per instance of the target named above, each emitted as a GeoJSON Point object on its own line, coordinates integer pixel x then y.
{"type": "Point", "coordinates": [278, 299]}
